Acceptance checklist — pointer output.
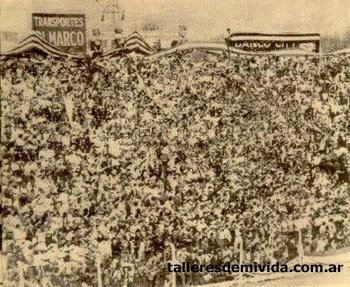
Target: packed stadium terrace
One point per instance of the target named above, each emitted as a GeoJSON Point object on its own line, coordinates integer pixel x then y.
{"type": "Point", "coordinates": [115, 160]}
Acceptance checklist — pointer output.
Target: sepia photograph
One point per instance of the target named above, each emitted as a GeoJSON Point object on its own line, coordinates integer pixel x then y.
{"type": "Point", "coordinates": [175, 143]}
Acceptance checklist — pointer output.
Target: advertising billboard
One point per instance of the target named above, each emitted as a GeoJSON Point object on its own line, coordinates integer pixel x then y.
{"type": "Point", "coordinates": [65, 31]}
{"type": "Point", "coordinates": [256, 42]}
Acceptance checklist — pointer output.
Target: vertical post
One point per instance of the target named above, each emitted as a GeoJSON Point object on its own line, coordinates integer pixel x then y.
{"type": "Point", "coordinates": [173, 260]}
{"type": "Point", "coordinates": [300, 247]}
{"type": "Point", "coordinates": [99, 274]}
{"type": "Point", "coordinates": [21, 275]}
{"type": "Point", "coordinates": [320, 63]}
{"type": "Point", "coordinates": [3, 263]}
{"type": "Point", "coordinates": [126, 280]}
{"type": "Point", "coordinates": [228, 44]}
{"type": "Point", "coordinates": [320, 59]}
{"type": "Point", "coordinates": [228, 52]}
{"type": "Point", "coordinates": [241, 258]}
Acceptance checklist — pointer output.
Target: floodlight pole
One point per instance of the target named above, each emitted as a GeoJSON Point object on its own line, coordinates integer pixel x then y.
{"type": "Point", "coordinates": [113, 10]}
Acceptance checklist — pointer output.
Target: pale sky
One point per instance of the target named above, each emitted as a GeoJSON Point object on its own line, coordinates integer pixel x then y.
{"type": "Point", "coordinates": [205, 19]}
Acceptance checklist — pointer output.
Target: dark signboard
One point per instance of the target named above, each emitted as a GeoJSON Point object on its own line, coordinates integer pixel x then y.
{"type": "Point", "coordinates": [65, 31]}
{"type": "Point", "coordinates": [256, 42]}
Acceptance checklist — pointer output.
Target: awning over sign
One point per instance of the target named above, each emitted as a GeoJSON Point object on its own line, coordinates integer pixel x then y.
{"type": "Point", "coordinates": [133, 43]}
{"type": "Point", "coordinates": [34, 44]}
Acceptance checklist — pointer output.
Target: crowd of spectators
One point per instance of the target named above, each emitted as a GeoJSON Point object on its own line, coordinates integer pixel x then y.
{"type": "Point", "coordinates": [115, 160]}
